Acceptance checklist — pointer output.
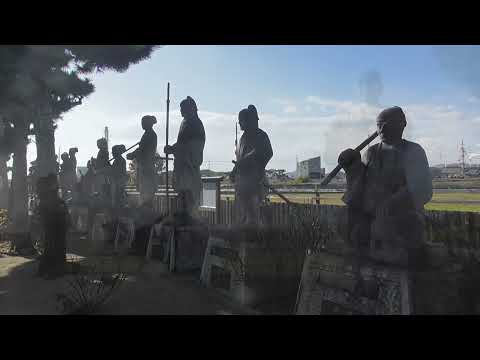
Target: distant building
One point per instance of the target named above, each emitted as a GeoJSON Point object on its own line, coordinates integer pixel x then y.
{"type": "Point", "coordinates": [454, 171]}
{"type": "Point", "coordinates": [311, 168]}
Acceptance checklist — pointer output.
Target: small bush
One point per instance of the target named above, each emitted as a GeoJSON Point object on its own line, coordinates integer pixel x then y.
{"type": "Point", "coordinates": [88, 290]}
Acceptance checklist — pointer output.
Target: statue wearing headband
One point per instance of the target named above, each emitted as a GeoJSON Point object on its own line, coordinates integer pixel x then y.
{"type": "Point", "coordinates": [253, 154]}
{"type": "Point", "coordinates": [387, 190]}
{"type": "Point", "coordinates": [145, 158]}
{"type": "Point", "coordinates": [188, 153]}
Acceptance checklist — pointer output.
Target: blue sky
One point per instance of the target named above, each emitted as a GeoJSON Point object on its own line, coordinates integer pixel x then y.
{"type": "Point", "coordinates": [309, 99]}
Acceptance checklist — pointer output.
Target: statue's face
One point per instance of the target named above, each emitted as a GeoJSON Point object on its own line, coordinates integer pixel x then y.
{"type": "Point", "coordinates": [390, 130]}
{"type": "Point", "coordinates": [243, 122]}
{"type": "Point", "coordinates": [186, 111]}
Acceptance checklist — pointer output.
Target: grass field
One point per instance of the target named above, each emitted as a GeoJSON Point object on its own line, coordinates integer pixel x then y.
{"type": "Point", "coordinates": [458, 201]}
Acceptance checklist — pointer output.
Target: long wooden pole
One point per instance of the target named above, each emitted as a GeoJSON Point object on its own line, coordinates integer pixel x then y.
{"type": "Point", "coordinates": [131, 147]}
{"type": "Point", "coordinates": [335, 171]}
{"type": "Point", "coordinates": [166, 143]}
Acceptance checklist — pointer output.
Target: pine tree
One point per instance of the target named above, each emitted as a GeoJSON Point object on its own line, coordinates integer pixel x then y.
{"type": "Point", "coordinates": [40, 83]}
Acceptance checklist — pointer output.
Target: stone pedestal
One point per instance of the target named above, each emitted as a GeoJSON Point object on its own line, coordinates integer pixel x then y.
{"type": "Point", "coordinates": [333, 284]}
{"type": "Point", "coordinates": [248, 270]}
{"type": "Point", "coordinates": [186, 248]}
{"type": "Point", "coordinates": [99, 234]}
{"type": "Point", "coordinates": [124, 234]}
{"type": "Point", "coordinates": [79, 216]}
{"type": "Point", "coordinates": [159, 243]}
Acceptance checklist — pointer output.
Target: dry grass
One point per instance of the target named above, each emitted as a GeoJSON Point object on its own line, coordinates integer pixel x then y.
{"type": "Point", "coordinates": [453, 201]}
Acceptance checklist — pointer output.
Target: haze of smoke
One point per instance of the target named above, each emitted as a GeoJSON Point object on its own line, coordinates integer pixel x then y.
{"type": "Point", "coordinates": [359, 125]}
{"type": "Point", "coordinates": [461, 64]}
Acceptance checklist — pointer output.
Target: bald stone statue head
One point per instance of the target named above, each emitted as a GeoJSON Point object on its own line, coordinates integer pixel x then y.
{"type": "Point", "coordinates": [148, 121]}
{"type": "Point", "coordinates": [390, 125]}
{"type": "Point", "coordinates": [188, 108]}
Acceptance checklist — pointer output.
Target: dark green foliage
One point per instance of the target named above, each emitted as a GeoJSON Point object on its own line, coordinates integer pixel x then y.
{"type": "Point", "coordinates": [89, 58]}
{"type": "Point", "coordinates": [48, 79]}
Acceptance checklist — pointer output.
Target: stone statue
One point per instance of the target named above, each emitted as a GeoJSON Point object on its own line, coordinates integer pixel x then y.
{"type": "Point", "coordinates": [76, 192]}
{"type": "Point", "coordinates": [145, 158]}
{"type": "Point", "coordinates": [73, 160]}
{"type": "Point", "coordinates": [101, 168]}
{"type": "Point", "coordinates": [387, 190]}
{"type": "Point", "coordinates": [118, 176]}
{"type": "Point", "coordinates": [188, 153]}
{"type": "Point", "coordinates": [102, 156]}
{"type": "Point", "coordinates": [67, 182]}
{"type": "Point", "coordinates": [253, 154]}
{"type": "Point", "coordinates": [86, 187]}
{"type": "Point", "coordinates": [55, 221]}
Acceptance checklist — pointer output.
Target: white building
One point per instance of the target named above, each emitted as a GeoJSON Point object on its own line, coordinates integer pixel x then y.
{"type": "Point", "coordinates": [311, 168]}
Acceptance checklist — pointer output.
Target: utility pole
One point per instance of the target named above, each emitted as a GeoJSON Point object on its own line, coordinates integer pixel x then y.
{"type": "Point", "coordinates": [296, 167]}
{"type": "Point", "coordinates": [462, 158]}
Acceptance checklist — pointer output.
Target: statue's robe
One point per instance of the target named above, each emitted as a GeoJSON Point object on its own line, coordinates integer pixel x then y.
{"type": "Point", "coordinates": [101, 168]}
{"type": "Point", "coordinates": [73, 169]}
{"type": "Point", "coordinates": [67, 177]}
{"type": "Point", "coordinates": [118, 180]}
{"type": "Point", "coordinates": [189, 147]}
{"type": "Point", "coordinates": [255, 151]}
{"type": "Point", "coordinates": [145, 157]}
{"type": "Point", "coordinates": [399, 173]}
{"type": "Point", "coordinates": [101, 161]}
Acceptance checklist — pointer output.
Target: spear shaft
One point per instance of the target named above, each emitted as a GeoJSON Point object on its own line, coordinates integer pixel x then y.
{"type": "Point", "coordinates": [166, 142]}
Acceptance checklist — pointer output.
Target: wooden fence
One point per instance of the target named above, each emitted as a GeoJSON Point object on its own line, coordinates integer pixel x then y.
{"type": "Point", "coordinates": [449, 229]}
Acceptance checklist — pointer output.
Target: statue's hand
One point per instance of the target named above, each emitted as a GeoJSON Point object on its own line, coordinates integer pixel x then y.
{"type": "Point", "coordinates": [130, 156]}
{"type": "Point", "coordinates": [349, 157]}
{"type": "Point", "coordinates": [168, 149]}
